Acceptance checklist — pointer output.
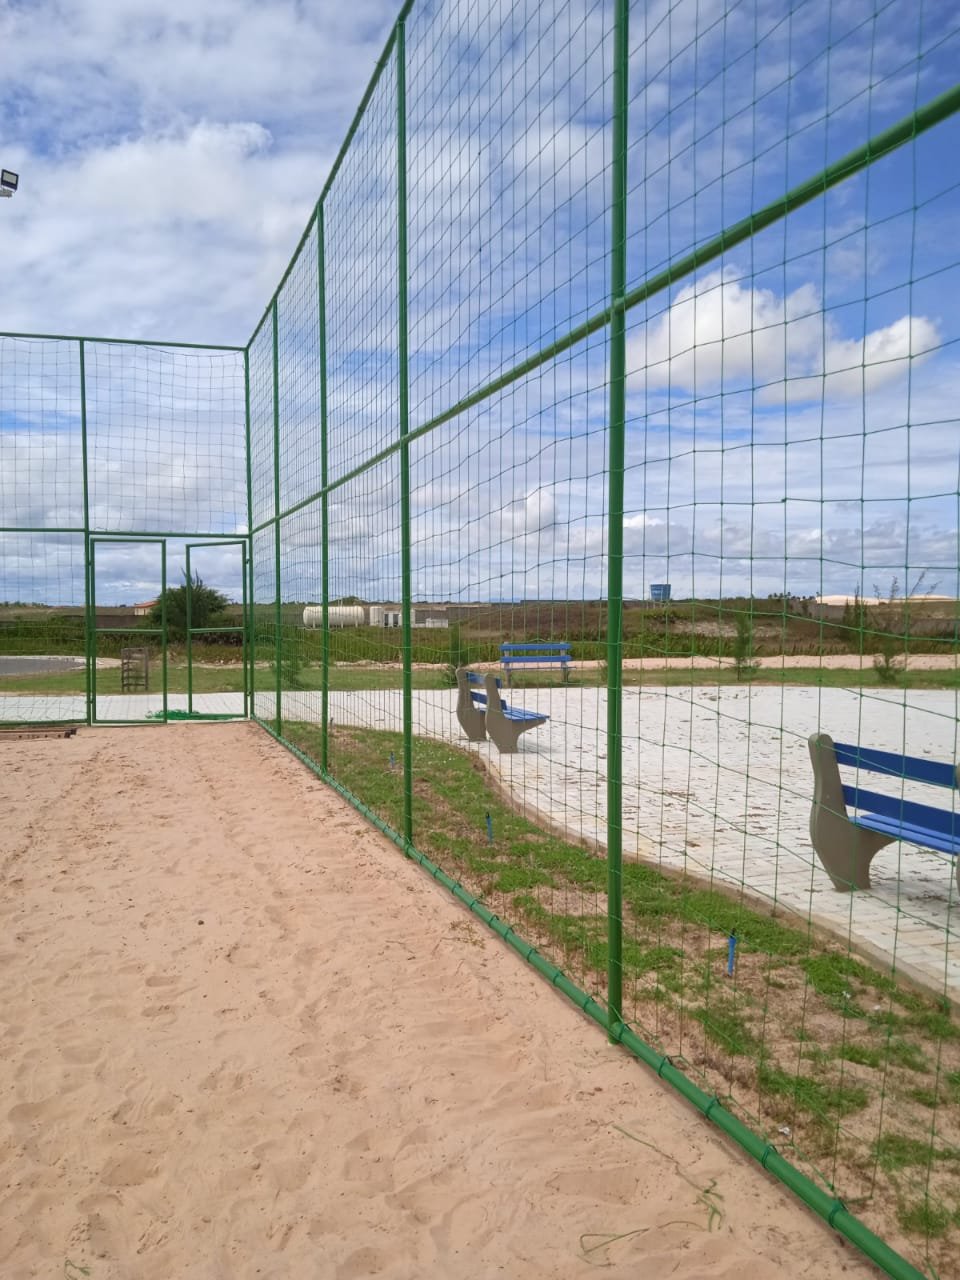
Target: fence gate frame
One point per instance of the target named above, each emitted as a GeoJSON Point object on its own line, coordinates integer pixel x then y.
{"type": "Point", "coordinates": [93, 631]}
{"type": "Point", "coordinates": [242, 629]}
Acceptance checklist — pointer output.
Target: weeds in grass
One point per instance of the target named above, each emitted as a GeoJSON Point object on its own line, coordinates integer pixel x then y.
{"type": "Point", "coordinates": [899, 1053]}
{"type": "Point", "coordinates": [925, 1097]}
{"type": "Point", "coordinates": [924, 1218]}
{"type": "Point", "coordinates": [894, 1151]}
{"type": "Point", "coordinates": [724, 1025]}
{"type": "Point", "coordinates": [812, 1096]}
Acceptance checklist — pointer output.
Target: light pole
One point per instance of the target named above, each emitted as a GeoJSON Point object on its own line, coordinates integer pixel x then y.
{"type": "Point", "coordinates": [9, 181]}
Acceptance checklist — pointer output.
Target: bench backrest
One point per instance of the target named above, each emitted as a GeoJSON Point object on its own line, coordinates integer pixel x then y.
{"type": "Point", "coordinates": [910, 769]}
{"type": "Point", "coordinates": [474, 679]}
{"type": "Point", "coordinates": [547, 651]}
{"type": "Point", "coordinates": [540, 644]}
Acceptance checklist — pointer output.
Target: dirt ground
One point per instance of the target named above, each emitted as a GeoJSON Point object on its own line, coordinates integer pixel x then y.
{"type": "Point", "coordinates": [242, 1037]}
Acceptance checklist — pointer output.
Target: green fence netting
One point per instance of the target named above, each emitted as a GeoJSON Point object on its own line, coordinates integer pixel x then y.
{"type": "Point", "coordinates": [631, 329]}
{"type": "Point", "coordinates": [113, 457]}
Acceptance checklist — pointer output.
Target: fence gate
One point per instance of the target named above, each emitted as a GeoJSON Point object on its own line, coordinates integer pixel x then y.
{"type": "Point", "coordinates": [201, 706]}
{"type": "Point", "coordinates": [127, 664]}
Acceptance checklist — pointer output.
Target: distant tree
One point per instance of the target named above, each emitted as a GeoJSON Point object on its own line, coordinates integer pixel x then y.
{"type": "Point", "coordinates": [207, 608]}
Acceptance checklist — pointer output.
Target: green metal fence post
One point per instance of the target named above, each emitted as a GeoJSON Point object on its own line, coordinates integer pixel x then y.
{"type": "Point", "coordinates": [616, 446]}
{"type": "Point", "coordinates": [245, 634]}
{"type": "Point", "coordinates": [278, 612]}
{"type": "Point", "coordinates": [406, 601]}
{"type": "Point", "coordinates": [163, 622]}
{"type": "Point", "coordinates": [92, 629]}
{"type": "Point", "coordinates": [189, 613]}
{"type": "Point", "coordinates": [324, 503]}
{"type": "Point", "coordinates": [89, 620]}
{"type": "Point", "coordinates": [251, 652]}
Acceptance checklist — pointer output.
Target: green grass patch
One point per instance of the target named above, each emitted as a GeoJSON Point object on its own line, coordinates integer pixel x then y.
{"type": "Point", "coordinates": [205, 680]}
{"type": "Point", "coordinates": [925, 1097]}
{"type": "Point", "coordinates": [223, 679]}
{"type": "Point", "coordinates": [652, 896]}
{"type": "Point", "coordinates": [586, 935]}
{"type": "Point", "coordinates": [725, 1026]}
{"type": "Point", "coordinates": [894, 1151]}
{"type": "Point", "coordinates": [346, 676]}
{"type": "Point", "coordinates": [924, 1218]}
{"type": "Point", "coordinates": [897, 1053]}
{"type": "Point", "coordinates": [810, 1095]}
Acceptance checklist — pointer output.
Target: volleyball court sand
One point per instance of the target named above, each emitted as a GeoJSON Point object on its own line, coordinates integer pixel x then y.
{"type": "Point", "coordinates": [242, 1037]}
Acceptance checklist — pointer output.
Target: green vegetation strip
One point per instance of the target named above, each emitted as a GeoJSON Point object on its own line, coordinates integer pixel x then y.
{"type": "Point", "coordinates": [643, 887]}
{"type": "Point", "coordinates": [228, 678]}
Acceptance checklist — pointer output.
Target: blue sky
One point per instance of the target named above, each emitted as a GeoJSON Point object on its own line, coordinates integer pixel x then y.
{"type": "Point", "coordinates": [792, 412]}
{"type": "Point", "coordinates": [170, 154]}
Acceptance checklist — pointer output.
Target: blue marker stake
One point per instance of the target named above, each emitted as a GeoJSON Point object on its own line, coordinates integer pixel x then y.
{"type": "Point", "coordinates": [731, 954]}
{"type": "Point", "coordinates": [393, 760]}
{"type": "Point", "coordinates": [489, 829]}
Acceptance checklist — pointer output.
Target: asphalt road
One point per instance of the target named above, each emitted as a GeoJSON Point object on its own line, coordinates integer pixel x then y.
{"type": "Point", "coordinates": [17, 665]}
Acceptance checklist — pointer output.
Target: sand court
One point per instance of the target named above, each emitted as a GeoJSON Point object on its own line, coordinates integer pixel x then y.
{"type": "Point", "coordinates": [243, 1037]}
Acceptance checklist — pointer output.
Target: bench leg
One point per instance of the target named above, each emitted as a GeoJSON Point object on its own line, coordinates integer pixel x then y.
{"type": "Point", "coordinates": [505, 733]}
{"type": "Point", "coordinates": [471, 716]}
{"type": "Point", "coordinates": [845, 849]}
{"type": "Point", "coordinates": [472, 723]}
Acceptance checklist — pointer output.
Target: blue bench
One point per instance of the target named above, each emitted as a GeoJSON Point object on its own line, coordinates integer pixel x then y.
{"type": "Point", "coordinates": [546, 653]}
{"type": "Point", "coordinates": [846, 843]}
{"type": "Point", "coordinates": [486, 713]}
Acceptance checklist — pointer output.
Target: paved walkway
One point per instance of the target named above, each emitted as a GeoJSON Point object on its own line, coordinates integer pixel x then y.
{"type": "Point", "coordinates": [716, 782]}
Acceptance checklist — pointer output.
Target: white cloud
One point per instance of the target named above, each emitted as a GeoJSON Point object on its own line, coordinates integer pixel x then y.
{"type": "Point", "coordinates": [720, 334]}
{"type": "Point", "coordinates": [170, 155]}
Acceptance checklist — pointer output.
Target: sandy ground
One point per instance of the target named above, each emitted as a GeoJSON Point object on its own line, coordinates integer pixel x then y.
{"type": "Point", "coordinates": [242, 1037]}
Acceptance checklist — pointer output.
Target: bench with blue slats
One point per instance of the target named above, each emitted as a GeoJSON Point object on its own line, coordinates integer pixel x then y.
{"type": "Point", "coordinates": [850, 824]}
{"type": "Point", "coordinates": [486, 713]}
{"type": "Point", "coordinates": [546, 653]}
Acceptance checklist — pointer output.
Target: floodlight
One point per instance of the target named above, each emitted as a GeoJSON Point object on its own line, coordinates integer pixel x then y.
{"type": "Point", "coordinates": [9, 181]}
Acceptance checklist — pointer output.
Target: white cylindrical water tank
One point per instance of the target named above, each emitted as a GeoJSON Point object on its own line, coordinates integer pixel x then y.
{"type": "Point", "coordinates": [338, 615]}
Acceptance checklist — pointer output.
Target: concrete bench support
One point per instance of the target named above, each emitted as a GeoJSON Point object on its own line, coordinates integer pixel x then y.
{"type": "Point", "coordinates": [850, 824]}
{"type": "Point", "coordinates": [845, 849]}
{"type": "Point", "coordinates": [471, 705]}
{"type": "Point", "coordinates": [505, 724]}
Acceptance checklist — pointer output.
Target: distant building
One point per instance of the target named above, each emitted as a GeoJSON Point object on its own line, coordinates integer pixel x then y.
{"type": "Point", "coordinates": [660, 592]}
{"type": "Point", "coordinates": [141, 610]}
